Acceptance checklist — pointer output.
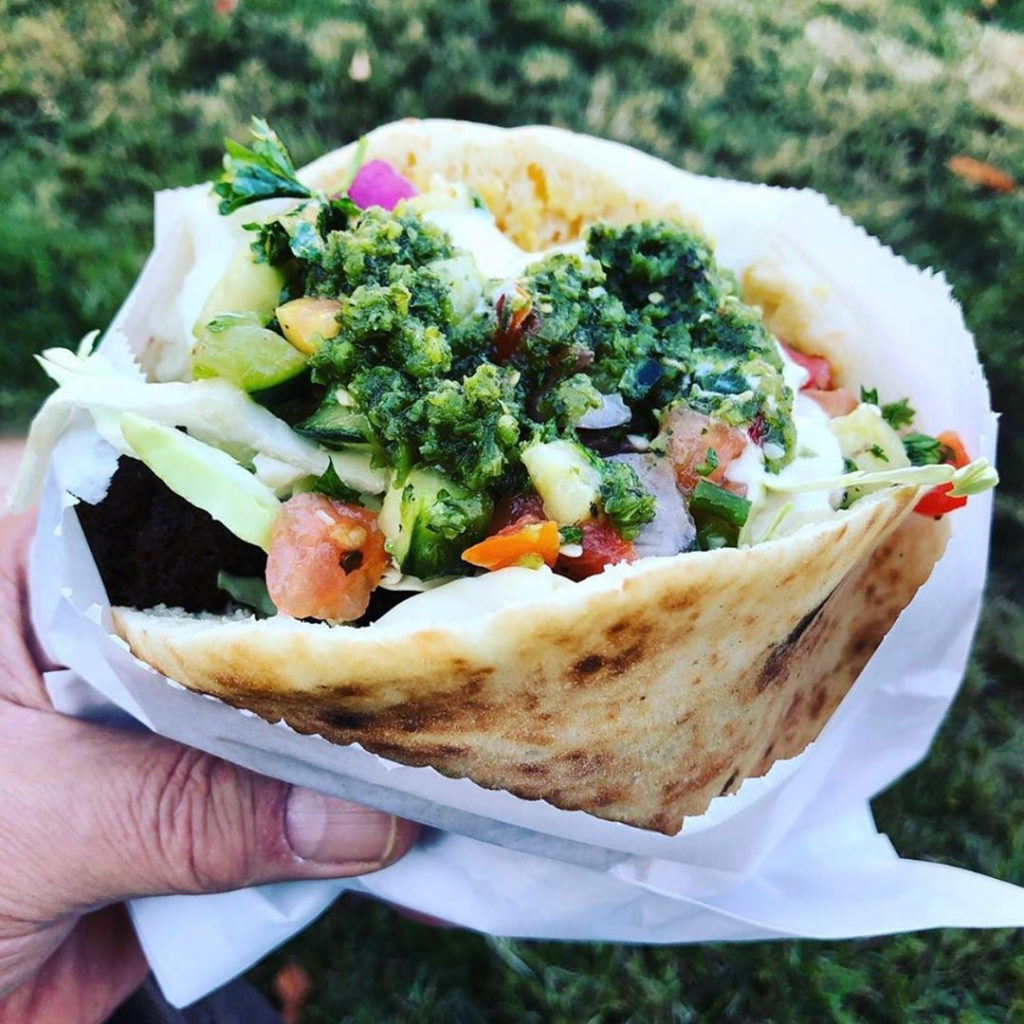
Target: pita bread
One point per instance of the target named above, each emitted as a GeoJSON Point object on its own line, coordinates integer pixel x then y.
{"type": "Point", "coordinates": [638, 695]}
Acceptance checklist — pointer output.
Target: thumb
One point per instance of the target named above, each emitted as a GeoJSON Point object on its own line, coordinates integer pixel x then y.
{"type": "Point", "coordinates": [99, 815]}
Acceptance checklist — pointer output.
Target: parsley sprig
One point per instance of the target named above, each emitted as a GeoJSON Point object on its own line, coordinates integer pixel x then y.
{"type": "Point", "coordinates": [709, 465]}
{"type": "Point", "coordinates": [265, 171]}
{"type": "Point", "coordinates": [570, 534]}
{"type": "Point", "coordinates": [897, 414]}
{"type": "Point", "coordinates": [923, 450]}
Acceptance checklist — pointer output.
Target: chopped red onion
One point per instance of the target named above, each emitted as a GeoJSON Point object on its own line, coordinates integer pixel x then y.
{"type": "Point", "coordinates": [612, 412]}
{"type": "Point", "coordinates": [671, 530]}
{"type": "Point", "coordinates": [378, 184]}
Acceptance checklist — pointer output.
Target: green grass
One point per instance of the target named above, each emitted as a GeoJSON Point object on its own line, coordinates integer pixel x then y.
{"type": "Point", "coordinates": [865, 100]}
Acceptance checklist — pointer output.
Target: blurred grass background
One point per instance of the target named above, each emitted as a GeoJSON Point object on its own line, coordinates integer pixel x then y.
{"type": "Point", "coordinates": [868, 101]}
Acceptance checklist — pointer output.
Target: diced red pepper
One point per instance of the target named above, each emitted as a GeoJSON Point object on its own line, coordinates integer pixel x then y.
{"type": "Point", "coordinates": [528, 541]}
{"type": "Point", "coordinates": [817, 366]}
{"type": "Point", "coordinates": [758, 429]}
{"type": "Point", "coordinates": [602, 546]}
{"type": "Point", "coordinates": [937, 501]}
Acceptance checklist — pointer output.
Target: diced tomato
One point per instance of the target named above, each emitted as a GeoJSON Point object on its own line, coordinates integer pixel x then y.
{"type": "Point", "coordinates": [817, 366]}
{"type": "Point", "coordinates": [937, 501]}
{"type": "Point", "coordinates": [691, 435]}
{"type": "Point", "coordinates": [601, 543]}
{"type": "Point", "coordinates": [836, 402]}
{"type": "Point", "coordinates": [528, 541]}
{"type": "Point", "coordinates": [602, 546]}
{"type": "Point", "coordinates": [819, 386]}
{"type": "Point", "coordinates": [325, 559]}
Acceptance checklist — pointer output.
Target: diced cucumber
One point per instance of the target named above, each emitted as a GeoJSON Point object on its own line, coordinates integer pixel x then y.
{"type": "Point", "coordinates": [291, 401]}
{"type": "Point", "coordinates": [465, 286]}
{"type": "Point", "coordinates": [390, 521]}
{"type": "Point", "coordinates": [237, 347]}
{"type": "Point", "coordinates": [206, 478]}
{"type": "Point", "coordinates": [429, 521]}
{"type": "Point", "coordinates": [710, 499]}
{"type": "Point", "coordinates": [714, 533]}
{"type": "Point", "coordinates": [354, 467]}
{"type": "Point", "coordinates": [245, 287]}
{"type": "Point", "coordinates": [867, 440]}
{"type": "Point", "coordinates": [335, 423]}
{"type": "Point", "coordinates": [232, 340]}
{"type": "Point", "coordinates": [566, 478]}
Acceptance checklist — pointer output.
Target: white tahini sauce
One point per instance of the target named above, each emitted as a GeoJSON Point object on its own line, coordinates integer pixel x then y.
{"type": "Point", "coordinates": [496, 255]}
{"type": "Point", "coordinates": [818, 457]}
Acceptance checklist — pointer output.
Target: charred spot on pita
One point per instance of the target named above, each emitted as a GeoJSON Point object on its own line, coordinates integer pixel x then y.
{"type": "Point", "coordinates": [777, 659]}
{"type": "Point", "coordinates": [624, 660]}
{"type": "Point", "coordinates": [587, 666]}
{"type": "Point", "coordinates": [818, 699]}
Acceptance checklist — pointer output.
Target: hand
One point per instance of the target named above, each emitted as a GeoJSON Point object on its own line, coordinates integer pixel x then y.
{"type": "Point", "coordinates": [90, 817]}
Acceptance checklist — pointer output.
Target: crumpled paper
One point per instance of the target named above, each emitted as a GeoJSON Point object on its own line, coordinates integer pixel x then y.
{"type": "Point", "coordinates": [793, 854]}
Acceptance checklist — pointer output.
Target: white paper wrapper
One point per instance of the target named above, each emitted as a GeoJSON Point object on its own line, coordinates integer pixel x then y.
{"type": "Point", "coordinates": [792, 854]}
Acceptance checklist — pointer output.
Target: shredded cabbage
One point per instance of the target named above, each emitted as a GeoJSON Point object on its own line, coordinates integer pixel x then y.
{"type": "Point", "coordinates": [212, 411]}
{"type": "Point", "coordinates": [974, 478]}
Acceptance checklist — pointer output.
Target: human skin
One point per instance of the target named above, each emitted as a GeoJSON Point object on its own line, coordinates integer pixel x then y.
{"type": "Point", "coordinates": [92, 816]}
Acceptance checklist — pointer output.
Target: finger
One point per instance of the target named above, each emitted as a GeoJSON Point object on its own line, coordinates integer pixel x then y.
{"type": "Point", "coordinates": [11, 451]}
{"type": "Point", "coordinates": [98, 965]}
{"type": "Point", "coordinates": [95, 816]}
{"type": "Point", "coordinates": [20, 679]}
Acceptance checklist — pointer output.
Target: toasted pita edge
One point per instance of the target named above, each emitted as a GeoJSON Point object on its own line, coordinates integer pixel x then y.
{"type": "Point", "coordinates": [638, 702]}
